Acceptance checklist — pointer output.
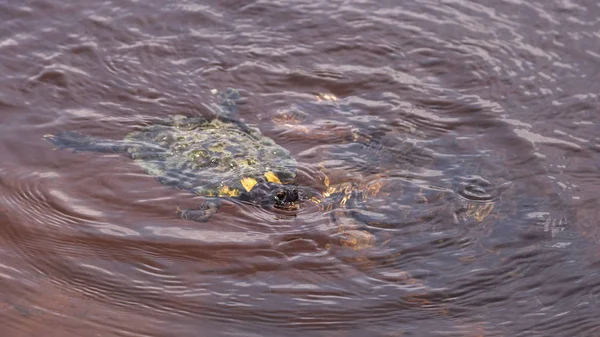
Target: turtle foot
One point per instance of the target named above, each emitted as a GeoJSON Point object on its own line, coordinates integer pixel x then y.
{"type": "Point", "coordinates": [203, 213]}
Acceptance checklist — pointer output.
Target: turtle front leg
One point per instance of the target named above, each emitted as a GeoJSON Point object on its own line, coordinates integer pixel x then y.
{"type": "Point", "coordinates": [203, 213]}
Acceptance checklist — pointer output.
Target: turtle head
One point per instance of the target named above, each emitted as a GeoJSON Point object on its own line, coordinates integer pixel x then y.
{"type": "Point", "coordinates": [286, 197]}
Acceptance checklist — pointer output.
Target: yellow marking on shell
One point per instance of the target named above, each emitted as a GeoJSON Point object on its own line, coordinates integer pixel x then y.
{"type": "Point", "coordinates": [248, 183]}
{"type": "Point", "coordinates": [225, 191]}
{"type": "Point", "coordinates": [272, 178]}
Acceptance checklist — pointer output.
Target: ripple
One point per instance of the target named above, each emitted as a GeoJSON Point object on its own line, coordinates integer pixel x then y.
{"type": "Point", "coordinates": [475, 188]}
{"type": "Point", "coordinates": [464, 130]}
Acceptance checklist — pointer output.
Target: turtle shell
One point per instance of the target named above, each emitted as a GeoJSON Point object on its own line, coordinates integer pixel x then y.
{"type": "Point", "coordinates": [210, 157]}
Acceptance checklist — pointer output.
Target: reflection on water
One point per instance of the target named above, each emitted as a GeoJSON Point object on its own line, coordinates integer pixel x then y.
{"type": "Point", "coordinates": [453, 143]}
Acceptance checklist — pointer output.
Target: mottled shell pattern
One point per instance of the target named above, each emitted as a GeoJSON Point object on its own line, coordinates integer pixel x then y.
{"type": "Point", "coordinates": [210, 157]}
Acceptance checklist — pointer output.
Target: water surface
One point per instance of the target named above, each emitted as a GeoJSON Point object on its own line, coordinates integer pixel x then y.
{"type": "Point", "coordinates": [469, 127]}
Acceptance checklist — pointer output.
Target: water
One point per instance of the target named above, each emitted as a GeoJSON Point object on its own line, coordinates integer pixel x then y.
{"type": "Point", "coordinates": [468, 126]}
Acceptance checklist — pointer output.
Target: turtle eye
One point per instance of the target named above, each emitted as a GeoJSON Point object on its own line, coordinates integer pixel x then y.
{"type": "Point", "coordinates": [280, 195]}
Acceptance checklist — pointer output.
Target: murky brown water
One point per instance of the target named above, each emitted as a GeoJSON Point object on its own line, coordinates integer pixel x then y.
{"type": "Point", "coordinates": [468, 126]}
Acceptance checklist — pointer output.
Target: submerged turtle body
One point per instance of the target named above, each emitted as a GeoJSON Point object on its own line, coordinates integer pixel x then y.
{"type": "Point", "coordinates": [210, 157]}
{"type": "Point", "coordinates": [218, 157]}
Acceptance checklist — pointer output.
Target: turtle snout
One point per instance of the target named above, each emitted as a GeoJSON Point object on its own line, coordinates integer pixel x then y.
{"type": "Point", "coordinates": [293, 195]}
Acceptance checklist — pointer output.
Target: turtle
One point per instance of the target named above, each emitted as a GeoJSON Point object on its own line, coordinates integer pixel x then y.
{"type": "Point", "coordinates": [219, 157]}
